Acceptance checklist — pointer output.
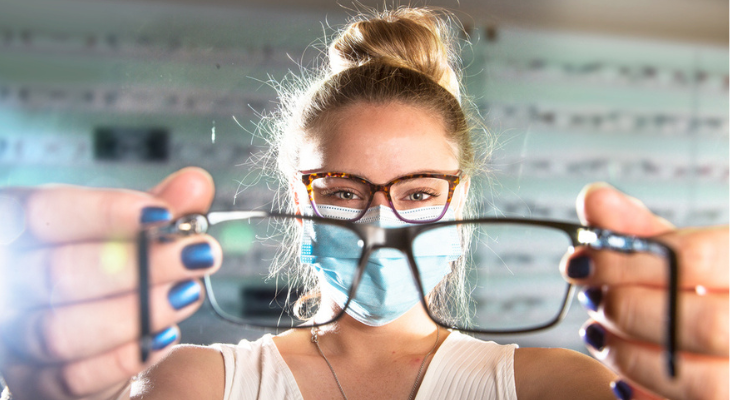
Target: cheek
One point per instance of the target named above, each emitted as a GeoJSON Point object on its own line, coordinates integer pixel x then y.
{"type": "Point", "coordinates": [459, 200]}
{"type": "Point", "coordinates": [301, 197]}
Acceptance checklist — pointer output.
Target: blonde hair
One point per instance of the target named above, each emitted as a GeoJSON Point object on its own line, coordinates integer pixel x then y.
{"type": "Point", "coordinates": [406, 56]}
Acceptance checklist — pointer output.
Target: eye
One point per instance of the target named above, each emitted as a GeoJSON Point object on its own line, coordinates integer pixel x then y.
{"type": "Point", "coordinates": [418, 196]}
{"type": "Point", "coordinates": [344, 195]}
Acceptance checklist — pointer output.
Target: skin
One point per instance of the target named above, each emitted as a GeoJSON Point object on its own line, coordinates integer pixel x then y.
{"type": "Point", "coordinates": [70, 353]}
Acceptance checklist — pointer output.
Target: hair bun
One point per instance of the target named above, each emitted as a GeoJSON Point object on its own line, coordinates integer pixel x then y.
{"type": "Point", "coordinates": [415, 38]}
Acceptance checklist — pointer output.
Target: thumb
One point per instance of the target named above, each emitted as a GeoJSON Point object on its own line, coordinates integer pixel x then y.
{"type": "Point", "coordinates": [601, 205]}
{"type": "Point", "coordinates": [189, 190]}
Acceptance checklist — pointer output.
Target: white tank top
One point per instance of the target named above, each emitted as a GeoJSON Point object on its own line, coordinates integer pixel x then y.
{"type": "Point", "coordinates": [462, 368]}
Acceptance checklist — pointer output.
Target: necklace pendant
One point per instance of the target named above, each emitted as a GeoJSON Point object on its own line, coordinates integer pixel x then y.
{"type": "Point", "coordinates": [314, 338]}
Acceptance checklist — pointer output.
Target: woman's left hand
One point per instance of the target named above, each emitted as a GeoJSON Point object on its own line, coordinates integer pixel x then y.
{"type": "Point", "coordinates": [626, 298]}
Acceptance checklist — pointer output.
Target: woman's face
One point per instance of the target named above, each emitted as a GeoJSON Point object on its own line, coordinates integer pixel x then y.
{"type": "Point", "coordinates": [381, 143]}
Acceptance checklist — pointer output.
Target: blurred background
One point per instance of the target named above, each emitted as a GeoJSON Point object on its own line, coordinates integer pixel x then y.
{"type": "Point", "coordinates": [122, 93]}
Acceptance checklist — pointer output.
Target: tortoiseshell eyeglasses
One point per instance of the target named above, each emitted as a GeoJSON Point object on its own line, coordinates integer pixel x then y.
{"type": "Point", "coordinates": [415, 198]}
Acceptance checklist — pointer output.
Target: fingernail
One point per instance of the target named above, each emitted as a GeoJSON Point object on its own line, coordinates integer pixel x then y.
{"type": "Point", "coordinates": [594, 335]}
{"type": "Point", "coordinates": [155, 214]}
{"type": "Point", "coordinates": [184, 294]}
{"type": "Point", "coordinates": [580, 267]}
{"type": "Point", "coordinates": [591, 298]}
{"type": "Point", "coordinates": [622, 390]}
{"type": "Point", "coordinates": [197, 256]}
{"type": "Point", "coordinates": [165, 338]}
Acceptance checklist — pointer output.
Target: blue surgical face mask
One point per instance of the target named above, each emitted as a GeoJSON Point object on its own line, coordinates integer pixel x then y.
{"type": "Point", "coordinates": [386, 290]}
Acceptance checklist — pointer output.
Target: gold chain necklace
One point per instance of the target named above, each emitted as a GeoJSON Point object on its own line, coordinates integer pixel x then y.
{"type": "Point", "coordinates": [315, 340]}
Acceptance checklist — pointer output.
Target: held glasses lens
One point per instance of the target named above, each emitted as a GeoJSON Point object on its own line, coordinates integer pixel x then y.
{"type": "Point", "coordinates": [511, 274]}
{"type": "Point", "coordinates": [327, 190]}
{"type": "Point", "coordinates": [244, 290]}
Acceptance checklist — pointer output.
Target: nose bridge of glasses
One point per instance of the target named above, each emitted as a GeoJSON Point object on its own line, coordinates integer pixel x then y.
{"type": "Point", "coordinates": [379, 197]}
{"type": "Point", "coordinates": [379, 237]}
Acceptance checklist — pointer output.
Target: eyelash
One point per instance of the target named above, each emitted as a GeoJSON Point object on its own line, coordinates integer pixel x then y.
{"type": "Point", "coordinates": [429, 192]}
{"type": "Point", "coordinates": [334, 191]}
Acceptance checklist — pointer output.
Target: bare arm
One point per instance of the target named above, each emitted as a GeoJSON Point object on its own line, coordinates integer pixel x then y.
{"type": "Point", "coordinates": [560, 374]}
{"type": "Point", "coordinates": [188, 372]}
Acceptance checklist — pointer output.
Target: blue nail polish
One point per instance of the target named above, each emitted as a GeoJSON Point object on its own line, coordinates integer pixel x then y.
{"type": "Point", "coordinates": [622, 390]}
{"type": "Point", "coordinates": [155, 214]}
{"type": "Point", "coordinates": [165, 338]}
{"type": "Point", "coordinates": [594, 335]}
{"type": "Point", "coordinates": [590, 298]}
{"type": "Point", "coordinates": [580, 267]}
{"type": "Point", "coordinates": [183, 294]}
{"type": "Point", "coordinates": [197, 256]}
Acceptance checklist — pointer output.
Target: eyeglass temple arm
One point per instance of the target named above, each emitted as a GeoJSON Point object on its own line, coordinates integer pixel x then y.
{"type": "Point", "coordinates": [145, 334]}
{"type": "Point", "coordinates": [600, 239]}
{"type": "Point", "coordinates": [193, 224]}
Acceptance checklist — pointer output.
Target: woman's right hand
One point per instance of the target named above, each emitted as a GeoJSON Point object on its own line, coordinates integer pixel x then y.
{"type": "Point", "coordinates": [69, 323]}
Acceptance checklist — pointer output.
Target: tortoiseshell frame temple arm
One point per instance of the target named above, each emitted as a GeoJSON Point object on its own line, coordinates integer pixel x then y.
{"type": "Point", "coordinates": [600, 239]}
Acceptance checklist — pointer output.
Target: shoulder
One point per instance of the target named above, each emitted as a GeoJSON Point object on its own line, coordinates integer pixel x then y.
{"type": "Point", "coordinates": [463, 344]}
{"type": "Point", "coordinates": [464, 366]}
{"type": "Point", "coordinates": [542, 373]}
{"type": "Point", "coordinates": [188, 372]}
{"type": "Point", "coordinates": [462, 351]}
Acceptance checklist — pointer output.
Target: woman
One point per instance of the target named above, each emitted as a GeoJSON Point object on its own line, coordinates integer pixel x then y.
{"type": "Point", "coordinates": [389, 107]}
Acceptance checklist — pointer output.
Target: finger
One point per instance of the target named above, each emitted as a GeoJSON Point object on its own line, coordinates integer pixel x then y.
{"type": "Point", "coordinates": [82, 330]}
{"type": "Point", "coordinates": [601, 205]}
{"type": "Point", "coordinates": [103, 373]}
{"type": "Point", "coordinates": [698, 376]}
{"type": "Point", "coordinates": [79, 272]}
{"type": "Point", "coordinates": [702, 258]}
{"type": "Point", "coordinates": [65, 214]}
{"type": "Point", "coordinates": [625, 389]}
{"type": "Point", "coordinates": [189, 190]}
{"type": "Point", "coordinates": [639, 313]}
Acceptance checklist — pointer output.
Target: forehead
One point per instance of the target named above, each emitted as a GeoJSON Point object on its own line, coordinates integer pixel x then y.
{"type": "Point", "coordinates": [380, 142]}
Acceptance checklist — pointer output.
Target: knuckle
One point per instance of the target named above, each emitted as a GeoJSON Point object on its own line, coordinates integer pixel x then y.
{"type": "Point", "coordinates": [53, 259]}
{"type": "Point", "coordinates": [624, 362]}
{"type": "Point", "coordinates": [698, 253]}
{"type": "Point", "coordinates": [619, 311]}
{"type": "Point", "coordinates": [710, 332]}
{"type": "Point", "coordinates": [40, 207]}
{"type": "Point", "coordinates": [76, 379]}
{"type": "Point", "coordinates": [108, 210]}
{"type": "Point", "coordinates": [49, 333]}
{"type": "Point", "coordinates": [126, 361]}
{"type": "Point", "coordinates": [710, 385]}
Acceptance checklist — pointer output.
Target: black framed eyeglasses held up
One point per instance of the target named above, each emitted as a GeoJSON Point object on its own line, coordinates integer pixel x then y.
{"type": "Point", "coordinates": [508, 269]}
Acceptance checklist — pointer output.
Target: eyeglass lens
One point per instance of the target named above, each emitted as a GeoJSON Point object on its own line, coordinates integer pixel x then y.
{"type": "Point", "coordinates": [512, 275]}
{"type": "Point", "coordinates": [244, 289]}
{"type": "Point", "coordinates": [406, 194]}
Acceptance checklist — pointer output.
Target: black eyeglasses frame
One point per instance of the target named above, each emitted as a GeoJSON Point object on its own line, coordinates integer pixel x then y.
{"type": "Point", "coordinates": [402, 238]}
